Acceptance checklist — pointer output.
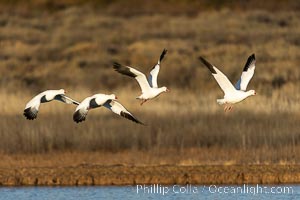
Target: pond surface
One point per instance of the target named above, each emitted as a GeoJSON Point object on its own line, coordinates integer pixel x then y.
{"type": "Point", "coordinates": [241, 192]}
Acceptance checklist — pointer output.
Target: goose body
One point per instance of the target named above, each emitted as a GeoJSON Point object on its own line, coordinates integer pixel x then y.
{"type": "Point", "coordinates": [148, 86]}
{"type": "Point", "coordinates": [98, 100]}
{"type": "Point", "coordinates": [32, 107]}
{"type": "Point", "coordinates": [237, 93]}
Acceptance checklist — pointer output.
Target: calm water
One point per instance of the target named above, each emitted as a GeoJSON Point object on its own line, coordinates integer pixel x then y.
{"type": "Point", "coordinates": [173, 192]}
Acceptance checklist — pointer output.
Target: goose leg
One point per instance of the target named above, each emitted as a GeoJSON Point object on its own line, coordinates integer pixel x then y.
{"type": "Point", "coordinates": [230, 108]}
{"type": "Point", "coordinates": [143, 101]}
{"type": "Point", "coordinates": [225, 108]}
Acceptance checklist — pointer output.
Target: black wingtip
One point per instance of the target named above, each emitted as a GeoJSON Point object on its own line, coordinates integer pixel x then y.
{"type": "Point", "coordinates": [76, 103]}
{"type": "Point", "coordinates": [29, 114]}
{"type": "Point", "coordinates": [163, 55]}
{"type": "Point", "coordinates": [250, 61]}
{"type": "Point", "coordinates": [123, 69]}
{"type": "Point", "coordinates": [78, 117]}
{"type": "Point", "coordinates": [131, 117]}
{"type": "Point", "coordinates": [117, 65]}
{"type": "Point", "coordinates": [208, 65]}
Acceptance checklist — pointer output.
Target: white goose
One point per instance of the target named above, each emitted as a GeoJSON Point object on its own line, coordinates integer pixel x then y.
{"type": "Point", "coordinates": [32, 107]}
{"type": "Point", "coordinates": [149, 87]}
{"type": "Point", "coordinates": [233, 94]}
{"type": "Point", "coordinates": [97, 100]}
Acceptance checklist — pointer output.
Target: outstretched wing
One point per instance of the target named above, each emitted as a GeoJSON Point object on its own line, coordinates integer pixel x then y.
{"type": "Point", "coordinates": [80, 114]}
{"type": "Point", "coordinates": [32, 107]}
{"type": "Point", "coordinates": [139, 76]}
{"type": "Point", "coordinates": [152, 79]}
{"type": "Point", "coordinates": [221, 79]}
{"type": "Point", "coordinates": [65, 99]}
{"type": "Point", "coordinates": [30, 113]}
{"type": "Point", "coordinates": [82, 110]}
{"type": "Point", "coordinates": [247, 74]}
{"type": "Point", "coordinates": [119, 109]}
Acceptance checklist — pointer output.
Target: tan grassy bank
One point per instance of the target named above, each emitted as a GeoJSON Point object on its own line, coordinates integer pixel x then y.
{"type": "Point", "coordinates": [194, 166]}
{"type": "Point", "coordinates": [163, 174]}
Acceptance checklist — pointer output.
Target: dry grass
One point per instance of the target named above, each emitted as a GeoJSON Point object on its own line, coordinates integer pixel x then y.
{"type": "Point", "coordinates": [41, 45]}
{"type": "Point", "coordinates": [74, 48]}
{"type": "Point", "coordinates": [205, 156]}
{"type": "Point", "coordinates": [252, 133]}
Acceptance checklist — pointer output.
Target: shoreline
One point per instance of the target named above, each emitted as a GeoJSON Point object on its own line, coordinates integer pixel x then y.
{"type": "Point", "coordinates": [88, 175]}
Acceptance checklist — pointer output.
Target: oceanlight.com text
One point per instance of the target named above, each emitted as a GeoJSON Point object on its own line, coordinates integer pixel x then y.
{"type": "Point", "coordinates": [213, 189]}
{"type": "Point", "coordinates": [250, 189]}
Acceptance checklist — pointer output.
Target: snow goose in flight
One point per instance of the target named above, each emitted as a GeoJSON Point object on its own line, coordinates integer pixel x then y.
{"type": "Point", "coordinates": [98, 100]}
{"type": "Point", "coordinates": [233, 94]}
{"type": "Point", "coordinates": [32, 107]}
{"type": "Point", "coordinates": [149, 87]}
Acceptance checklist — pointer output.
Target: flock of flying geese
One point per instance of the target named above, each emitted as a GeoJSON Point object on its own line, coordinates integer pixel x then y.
{"type": "Point", "coordinates": [232, 94]}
